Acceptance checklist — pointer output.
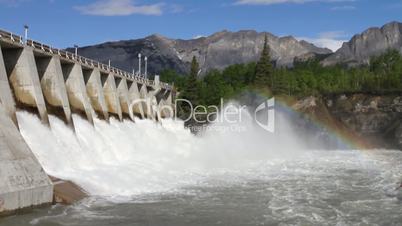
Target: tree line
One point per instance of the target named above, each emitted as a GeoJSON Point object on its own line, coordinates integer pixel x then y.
{"type": "Point", "coordinates": [382, 74]}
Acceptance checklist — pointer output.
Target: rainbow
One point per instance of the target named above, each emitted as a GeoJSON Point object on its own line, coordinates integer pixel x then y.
{"type": "Point", "coordinates": [321, 119]}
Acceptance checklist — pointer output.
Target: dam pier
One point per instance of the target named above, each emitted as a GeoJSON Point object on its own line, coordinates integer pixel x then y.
{"type": "Point", "coordinates": [45, 80]}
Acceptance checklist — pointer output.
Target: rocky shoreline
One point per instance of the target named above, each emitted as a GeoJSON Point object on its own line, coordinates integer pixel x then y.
{"type": "Point", "coordinates": [374, 118]}
{"type": "Point", "coordinates": [67, 192]}
{"type": "Point", "coordinates": [377, 117]}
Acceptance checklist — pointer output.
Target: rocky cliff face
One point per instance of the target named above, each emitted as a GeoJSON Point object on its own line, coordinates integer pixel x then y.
{"type": "Point", "coordinates": [124, 54]}
{"type": "Point", "coordinates": [216, 51]}
{"type": "Point", "coordinates": [375, 117]}
{"type": "Point", "coordinates": [226, 48]}
{"type": "Point", "coordinates": [373, 120]}
{"type": "Point", "coordinates": [372, 42]}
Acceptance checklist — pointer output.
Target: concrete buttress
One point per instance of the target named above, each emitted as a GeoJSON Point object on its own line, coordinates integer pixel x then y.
{"type": "Point", "coordinates": [6, 96]}
{"type": "Point", "coordinates": [23, 182]}
{"type": "Point", "coordinates": [112, 99]}
{"type": "Point", "coordinates": [122, 90]}
{"type": "Point", "coordinates": [76, 90]}
{"type": "Point", "coordinates": [53, 86]}
{"type": "Point", "coordinates": [95, 92]}
{"type": "Point", "coordinates": [24, 79]}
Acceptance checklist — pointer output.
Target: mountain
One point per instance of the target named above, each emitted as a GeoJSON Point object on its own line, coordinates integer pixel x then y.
{"type": "Point", "coordinates": [216, 51]}
{"type": "Point", "coordinates": [372, 42]}
{"type": "Point", "coordinates": [226, 48]}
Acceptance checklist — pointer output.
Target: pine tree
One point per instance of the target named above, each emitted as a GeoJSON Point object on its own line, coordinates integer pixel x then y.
{"type": "Point", "coordinates": [263, 70]}
{"type": "Point", "coordinates": [281, 82]}
{"type": "Point", "coordinates": [191, 87]}
{"type": "Point", "coordinates": [190, 90]}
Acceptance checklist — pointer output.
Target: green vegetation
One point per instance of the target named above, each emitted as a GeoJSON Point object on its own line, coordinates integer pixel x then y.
{"type": "Point", "coordinates": [263, 69]}
{"type": "Point", "coordinates": [190, 90]}
{"type": "Point", "coordinates": [383, 74]}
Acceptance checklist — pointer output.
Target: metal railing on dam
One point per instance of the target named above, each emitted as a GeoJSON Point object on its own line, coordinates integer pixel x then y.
{"type": "Point", "coordinates": [46, 78]}
{"type": "Point", "coordinates": [18, 40]}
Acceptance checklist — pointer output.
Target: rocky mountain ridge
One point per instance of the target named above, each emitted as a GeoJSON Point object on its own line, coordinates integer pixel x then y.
{"type": "Point", "coordinates": [213, 52]}
{"type": "Point", "coordinates": [372, 42]}
{"type": "Point", "coordinates": [225, 48]}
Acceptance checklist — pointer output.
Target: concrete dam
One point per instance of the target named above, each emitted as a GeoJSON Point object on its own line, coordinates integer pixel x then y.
{"type": "Point", "coordinates": [43, 80]}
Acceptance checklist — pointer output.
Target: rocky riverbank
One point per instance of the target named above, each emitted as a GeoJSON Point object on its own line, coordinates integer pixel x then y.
{"type": "Point", "coordinates": [67, 192]}
{"type": "Point", "coordinates": [375, 118]}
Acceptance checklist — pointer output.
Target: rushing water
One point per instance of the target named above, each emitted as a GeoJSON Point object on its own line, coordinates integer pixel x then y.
{"type": "Point", "coordinates": [151, 174]}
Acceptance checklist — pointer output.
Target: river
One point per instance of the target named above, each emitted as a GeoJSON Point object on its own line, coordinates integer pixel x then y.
{"type": "Point", "coordinates": [184, 180]}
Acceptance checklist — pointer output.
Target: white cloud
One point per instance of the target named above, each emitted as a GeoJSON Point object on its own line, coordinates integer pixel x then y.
{"type": "Point", "coordinates": [272, 2]}
{"type": "Point", "coordinates": [199, 36]}
{"type": "Point", "coordinates": [332, 40]}
{"type": "Point", "coordinates": [343, 8]}
{"type": "Point", "coordinates": [331, 44]}
{"type": "Point", "coordinates": [119, 8]}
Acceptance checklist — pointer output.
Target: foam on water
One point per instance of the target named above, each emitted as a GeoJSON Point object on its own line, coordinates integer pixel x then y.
{"type": "Point", "coordinates": [209, 178]}
{"type": "Point", "coordinates": [126, 158]}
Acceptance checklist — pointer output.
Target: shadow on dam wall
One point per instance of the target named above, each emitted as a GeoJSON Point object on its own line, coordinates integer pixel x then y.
{"type": "Point", "coordinates": [43, 80]}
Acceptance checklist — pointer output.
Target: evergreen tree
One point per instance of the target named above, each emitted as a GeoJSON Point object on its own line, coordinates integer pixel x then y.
{"type": "Point", "coordinates": [281, 81]}
{"type": "Point", "coordinates": [191, 87]}
{"type": "Point", "coordinates": [387, 69]}
{"type": "Point", "coordinates": [171, 76]}
{"type": "Point", "coordinates": [190, 90]}
{"type": "Point", "coordinates": [263, 70]}
{"type": "Point", "coordinates": [384, 73]}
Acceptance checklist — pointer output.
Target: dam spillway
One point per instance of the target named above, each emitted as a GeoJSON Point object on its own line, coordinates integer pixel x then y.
{"type": "Point", "coordinates": [46, 80]}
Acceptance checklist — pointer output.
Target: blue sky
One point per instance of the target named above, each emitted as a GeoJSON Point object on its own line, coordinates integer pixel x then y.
{"type": "Point", "coordinates": [63, 23]}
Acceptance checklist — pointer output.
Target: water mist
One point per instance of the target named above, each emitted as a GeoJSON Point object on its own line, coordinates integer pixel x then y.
{"type": "Point", "coordinates": [127, 158]}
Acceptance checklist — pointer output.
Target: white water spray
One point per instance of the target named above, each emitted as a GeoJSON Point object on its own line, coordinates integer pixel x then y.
{"type": "Point", "coordinates": [126, 158]}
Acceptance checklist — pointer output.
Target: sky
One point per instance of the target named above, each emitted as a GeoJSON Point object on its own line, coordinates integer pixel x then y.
{"type": "Point", "coordinates": [64, 23]}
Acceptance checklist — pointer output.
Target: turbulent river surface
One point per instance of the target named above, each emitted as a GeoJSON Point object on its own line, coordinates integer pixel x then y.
{"type": "Point", "coordinates": [161, 175]}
